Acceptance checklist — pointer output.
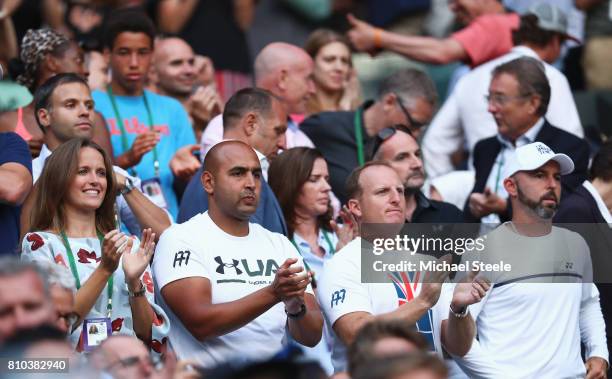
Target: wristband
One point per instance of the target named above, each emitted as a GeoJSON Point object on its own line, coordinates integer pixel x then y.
{"type": "Point", "coordinates": [463, 312]}
{"type": "Point", "coordinates": [378, 38]}
{"type": "Point", "coordinates": [300, 314]}
{"type": "Point", "coordinates": [138, 293]}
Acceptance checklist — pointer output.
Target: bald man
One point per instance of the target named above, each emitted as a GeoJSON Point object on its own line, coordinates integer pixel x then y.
{"type": "Point", "coordinates": [174, 73]}
{"type": "Point", "coordinates": [286, 71]}
{"type": "Point", "coordinates": [232, 288]}
{"type": "Point", "coordinates": [257, 118]}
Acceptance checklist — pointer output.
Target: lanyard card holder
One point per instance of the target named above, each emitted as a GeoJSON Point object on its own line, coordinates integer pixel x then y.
{"type": "Point", "coordinates": [153, 189]}
{"type": "Point", "coordinates": [95, 330]}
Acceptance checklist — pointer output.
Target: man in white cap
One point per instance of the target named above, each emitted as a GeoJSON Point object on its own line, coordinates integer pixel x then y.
{"type": "Point", "coordinates": [531, 319]}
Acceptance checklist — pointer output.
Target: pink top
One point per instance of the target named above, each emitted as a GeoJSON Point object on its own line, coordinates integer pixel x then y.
{"type": "Point", "coordinates": [488, 36]}
{"type": "Point", "coordinates": [20, 128]}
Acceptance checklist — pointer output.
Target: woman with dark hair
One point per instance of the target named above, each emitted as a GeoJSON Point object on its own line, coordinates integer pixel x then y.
{"type": "Point", "coordinates": [73, 224]}
{"type": "Point", "coordinates": [45, 53]}
{"type": "Point", "coordinates": [304, 197]}
{"type": "Point", "coordinates": [336, 84]}
{"type": "Point", "coordinates": [299, 179]}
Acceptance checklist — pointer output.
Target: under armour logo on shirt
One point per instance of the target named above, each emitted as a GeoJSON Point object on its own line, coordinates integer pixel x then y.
{"type": "Point", "coordinates": [180, 257]}
{"type": "Point", "coordinates": [222, 265]}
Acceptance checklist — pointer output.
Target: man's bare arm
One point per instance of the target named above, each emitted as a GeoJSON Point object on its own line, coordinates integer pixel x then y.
{"type": "Point", "coordinates": [367, 38]}
{"type": "Point", "coordinates": [307, 330]}
{"type": "Point", "coordinates": [190, 300]}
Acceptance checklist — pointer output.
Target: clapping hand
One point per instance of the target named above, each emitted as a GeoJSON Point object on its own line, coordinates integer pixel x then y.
{"type": "Point", "coordinates": [349, 229]}
{"type": "Point", "coordinates": [134, 264]}
{"type": "Point", "coordinates": [470, 291]}
{"type": "Point", "coordinates": [113, 246]}
{"type": "Point", "coordinates": [290, 284]}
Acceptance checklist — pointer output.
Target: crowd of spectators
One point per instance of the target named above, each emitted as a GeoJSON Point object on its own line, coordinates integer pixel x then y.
{"type": "Point", "coordinates": [186, 192]}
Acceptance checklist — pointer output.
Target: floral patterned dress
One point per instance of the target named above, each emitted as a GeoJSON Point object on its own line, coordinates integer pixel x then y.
{"type": "Point", "coordinates": [46, 246]}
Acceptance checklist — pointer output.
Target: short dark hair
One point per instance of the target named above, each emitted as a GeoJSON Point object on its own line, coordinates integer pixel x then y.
{"type": "Point", "coordinates": [363, 345]}
{"type": "Point", "coordinates": [410, 84]}
{"type": "Point", "coordinates": [531, 76]}
{"type": "Point", "coordinates": [43, 94]}
{"type": "Point", "coordinates": [401, 364]}
{"type": "Point", "coordinates": [601, 167]}
{"type": "Point", "coordinates": [353, 189]}
{"type": "Point", "coordinates": [298, 162]}
{"type": "Point", "coordinates": [128, 20]}
{"type": "Point", "coordinates": [529, 32]}
{"type": "Point", "coordinates": [246, 100]}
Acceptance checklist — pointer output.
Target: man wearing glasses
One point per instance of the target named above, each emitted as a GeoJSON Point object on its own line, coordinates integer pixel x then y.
{"type": "Point", "coordinates": [518, 99]}
{"type": "Point", "coordinates": [123, 357]}
{"type": "Point", "coordinates": [398, 146]}
{"type": "Point", "coordinates": [345, 138]}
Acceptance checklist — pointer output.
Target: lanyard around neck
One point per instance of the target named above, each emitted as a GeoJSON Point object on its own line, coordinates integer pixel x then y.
{"type": "Point", "coordinates": [75, 272]}
{"type": "Point", "coordinates": [330, 246]}
{"type": "Point", "coordinates": [124, 142]}
{"type": "Point", "coordinates": [359, 136]}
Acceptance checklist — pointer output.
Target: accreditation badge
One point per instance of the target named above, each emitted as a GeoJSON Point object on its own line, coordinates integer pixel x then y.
{"type": "Point", "coordinates": [153, 189]}
{"type": "Point", "coordinates": [95, 330]}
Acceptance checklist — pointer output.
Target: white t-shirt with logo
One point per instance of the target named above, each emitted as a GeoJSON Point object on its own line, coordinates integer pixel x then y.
{"type": "Point", "coordinates": [340, 292]}
{"type": "Point", "coordinates": [236, 267]}
{"type": "Point", "coordinates": [530, 323]}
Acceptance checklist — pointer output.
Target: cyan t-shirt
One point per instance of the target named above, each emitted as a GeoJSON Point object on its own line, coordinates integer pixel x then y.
{"type": "Point", "coordinates": [169, 118]}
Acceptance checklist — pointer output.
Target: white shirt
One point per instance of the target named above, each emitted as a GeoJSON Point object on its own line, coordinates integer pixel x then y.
{"type": "Point", "coordinates": [601, 205]}
{"type": "Point", "coordinates": [530, 324]}
{"type": "Point", "coordinates": [340, 292]}
{"type": "Point", "coordinates": [464, 120]}
{"type": "Point", "coordinates": [501, 167]}
{"type": "Point", "coordinates": [235, 267]}
{"type": "Point", "coordinates": [126, 216]}
{"type": "Point", "coordinates": [87, 254]}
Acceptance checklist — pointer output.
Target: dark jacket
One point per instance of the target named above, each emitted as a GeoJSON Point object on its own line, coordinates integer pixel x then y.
{"type": "Point", "coordinates": [268, 214]}
{"type": "Point", "coordinates": [579, 212]}
{"type": "Point", "coordinates": [558, 140]}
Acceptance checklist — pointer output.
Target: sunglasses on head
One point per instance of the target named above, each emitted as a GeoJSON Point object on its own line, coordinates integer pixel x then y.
{"type": "Point", "coordinates": [387, 133]}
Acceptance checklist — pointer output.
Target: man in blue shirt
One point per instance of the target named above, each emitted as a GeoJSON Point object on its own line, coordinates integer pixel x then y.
{"type": "Point", "coordinates": [154, 138]}
{"type": "Point", "coordinates": [15, 184]}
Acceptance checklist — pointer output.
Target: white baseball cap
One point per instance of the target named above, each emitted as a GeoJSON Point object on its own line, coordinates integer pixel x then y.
{"type": "Point", "coordinates": [534, 155]}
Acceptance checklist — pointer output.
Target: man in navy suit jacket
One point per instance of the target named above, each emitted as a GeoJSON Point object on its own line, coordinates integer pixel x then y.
{"type": "Point", "coordinates": [586, 211]}
{"type": "Point", "coordinates": [257, 118]}
{"type": "Point", "coordinates": [518, 98]}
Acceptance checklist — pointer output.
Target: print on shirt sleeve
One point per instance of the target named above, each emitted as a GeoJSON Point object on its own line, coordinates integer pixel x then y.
{"type": "Point", "coordinates": [181, 258]}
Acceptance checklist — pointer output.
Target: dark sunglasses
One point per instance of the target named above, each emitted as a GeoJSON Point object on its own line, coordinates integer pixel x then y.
{"type": "Point", "coordinates": [387, 133]}
{"type": "Point", "coordinates": [413, 124]}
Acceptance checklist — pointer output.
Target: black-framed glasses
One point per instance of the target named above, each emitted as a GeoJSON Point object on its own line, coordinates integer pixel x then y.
{"type": "Point", "coordinates": [386, 133]}
{"type": "Point", "coordinates": [413, 124]}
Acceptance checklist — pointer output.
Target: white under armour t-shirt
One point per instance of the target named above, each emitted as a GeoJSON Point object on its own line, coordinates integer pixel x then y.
{"type": "Point", "coordinates": [340, 292]}
{"type": "Point", "coordinates": [236, 267]}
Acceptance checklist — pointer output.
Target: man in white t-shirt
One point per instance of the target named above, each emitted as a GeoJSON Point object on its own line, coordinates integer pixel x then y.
{"type": "Point", "coordinates": [533, 318]}
{"type": "Point", "coordinates": [376, 196]}
{"type": "Point", "coordinates": [232, 288]}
